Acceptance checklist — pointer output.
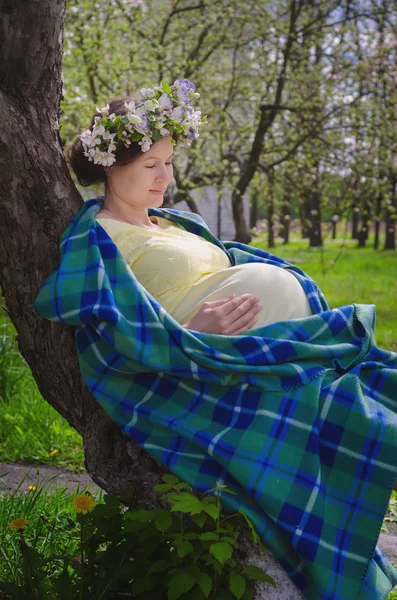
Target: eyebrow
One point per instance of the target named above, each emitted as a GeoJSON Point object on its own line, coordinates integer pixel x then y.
{"type": "Point", "coordinates": [156, 158]}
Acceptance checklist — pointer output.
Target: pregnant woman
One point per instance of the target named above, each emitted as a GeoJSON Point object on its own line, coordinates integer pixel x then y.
{"type": "Point", "coordinates": [225, 362]}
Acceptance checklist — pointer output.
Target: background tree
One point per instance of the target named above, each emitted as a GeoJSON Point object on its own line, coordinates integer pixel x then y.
{"type": "Point", "coordinates": [272, 77]}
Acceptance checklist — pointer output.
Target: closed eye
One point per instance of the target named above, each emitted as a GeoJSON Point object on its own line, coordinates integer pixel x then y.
{"type": "Point", "coordinates": [152, 166]}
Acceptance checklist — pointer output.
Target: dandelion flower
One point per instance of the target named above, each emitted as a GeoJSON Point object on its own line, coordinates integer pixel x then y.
{"type": "Point", "coordinates": [54, 452]}
{"type": "Point", "coordinates": [18, 524]}
{"type": "Point", "coordinates": [83, 503]}
{"type": "Point", "coordinates": [32, 488]}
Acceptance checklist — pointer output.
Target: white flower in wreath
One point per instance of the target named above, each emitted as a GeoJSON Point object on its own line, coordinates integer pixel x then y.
{"type": "Point", "coordinates": [151, 105]}
{"type": "Point", "coordinates": [178, 113]}
{"type": "Point", "coordinates": [165, 102]}
{"type": "Point", "coordinates": [147, 93]}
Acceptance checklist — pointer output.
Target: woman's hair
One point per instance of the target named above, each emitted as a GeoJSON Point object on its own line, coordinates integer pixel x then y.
{"type": "Point", "coordinates": [88, 173]}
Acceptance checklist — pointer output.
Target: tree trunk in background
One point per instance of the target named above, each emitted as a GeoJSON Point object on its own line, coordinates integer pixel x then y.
{"type": "Point", "coordinates": [270, 211]}
{"type": "Point", "coordinates": [254, 209]}
{"type": "Point", "coordinates": [37, 201]}
{"type": "Point", "coordinates": [315, 237]}
{"type": "Point", "coordinates": [378, 210]}
{"type": "Point", "coordinates": [390, 237]}
{"type": "Point", "coordinates": [285, 217]}
{"type": "Point", "coordinates": [365, 223]}
{"type": "Point", "coordinates": [334, 229]}
{"type": "Point", "coordinates": [355, 220]}
{"type": "Point", "coordinates": [304, 210]}
{"type": "Point", "coordinates": [219, 215]}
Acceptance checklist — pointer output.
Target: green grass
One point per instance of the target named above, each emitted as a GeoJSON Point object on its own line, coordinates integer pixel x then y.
{"type": "Point", "coordinates": [350, 275]}
{"type": "Point", "coordinates": [49, 511]}
{"type": "Point", "coordinates": [30, 429]}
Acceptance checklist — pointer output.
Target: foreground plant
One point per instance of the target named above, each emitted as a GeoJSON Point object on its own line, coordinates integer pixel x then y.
{"type": "Point", "coordinates": [186, 552]}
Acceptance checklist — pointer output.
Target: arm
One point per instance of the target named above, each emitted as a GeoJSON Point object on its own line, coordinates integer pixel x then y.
{"type": "Point", "coordinates": [231, 316]}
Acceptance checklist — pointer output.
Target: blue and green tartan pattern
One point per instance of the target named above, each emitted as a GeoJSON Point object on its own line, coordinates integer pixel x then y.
{"type": "Point", "coordinates": [298, 417]}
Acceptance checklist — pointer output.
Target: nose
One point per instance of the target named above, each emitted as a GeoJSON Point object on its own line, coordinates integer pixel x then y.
{"type": "Point", "coordinates": [163, 175]}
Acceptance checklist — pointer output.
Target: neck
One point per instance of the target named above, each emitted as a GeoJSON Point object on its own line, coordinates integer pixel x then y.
{"type": "Point", "coordinates": [123, 211]}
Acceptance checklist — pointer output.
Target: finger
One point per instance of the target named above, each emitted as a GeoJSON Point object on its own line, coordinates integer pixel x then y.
{"type": "Point", "coordinates": [240, 305]}
{"type": "Point", "coordinates": [242, 319]}
{"type": "Point", "coordinates": [246, 327]}
{"type": "Point", "coordinates": [216, 303]}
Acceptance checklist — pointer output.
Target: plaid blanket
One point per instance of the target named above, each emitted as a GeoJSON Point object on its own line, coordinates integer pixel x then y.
{"type": "Point", "coordinates": [299, 418]}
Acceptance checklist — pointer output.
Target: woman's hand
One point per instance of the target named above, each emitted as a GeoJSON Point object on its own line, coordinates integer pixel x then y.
{"type": "Point", "coordinates": [227, 317]}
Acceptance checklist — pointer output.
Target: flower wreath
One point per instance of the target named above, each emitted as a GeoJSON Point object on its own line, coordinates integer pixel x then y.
{"type": "Point", "coordinates": [162, 111]}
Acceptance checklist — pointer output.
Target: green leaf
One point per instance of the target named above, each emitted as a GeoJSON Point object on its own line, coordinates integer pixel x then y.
{"type": "Point", "coordinates": [229, 540]}
{"type": "Point", "coordinates": [188, 503]}
{"type": "Point", "coordinates": [254, 535]}
{"type": "Point", "coordinates": [136, 137]}
{"type": "Point", "coordinates": [200, 519]}
{"type": "Point", "coordinates": [237, 585]}
{"type": "Point", "coordinates": [205, 583]}
{"type": "Point", "coordinates": [142, 515]}
{"type": "Point", "coordinates": [183, 547]}
{"type": "Point", "coordinates": [211, 510]}
{"type": "Point", "coordinates": [160, 565]}
{"type": "Point", "coordinates": [142, 585]}
{"type": "Point", "coordinates": [168, 478]}
{"type": "Point", "coordinates": [166, 88]}
{"type": "Point", "coordinates": [209, 536]}
{"type": "Point", "coordinates": [156, 135]}
{"type": "Point", "coordinates": [163, 487]}
{"type": "Point", "coordinates": [258, 574]}
{"type": "Point", "coordinates": [196, 594]}
{"type": "Point", "coordinates": [179, 584]}
{"type": "Point", "coordinates": [222, 551]}
{"type": "Point", "coordinates": [163, 519]}
{"type": "Point", "coordinates": [112, 501]}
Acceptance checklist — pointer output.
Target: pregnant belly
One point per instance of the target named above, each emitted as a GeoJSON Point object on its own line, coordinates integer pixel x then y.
{"type": "Point", "coordinates": [282, 296]}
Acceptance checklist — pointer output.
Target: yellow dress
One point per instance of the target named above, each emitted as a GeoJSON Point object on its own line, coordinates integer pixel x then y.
{"type": "Point", "coordinates": [182, 271]}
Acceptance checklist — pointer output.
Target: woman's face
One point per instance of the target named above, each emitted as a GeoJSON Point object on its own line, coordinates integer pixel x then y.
{"type": "Point", "coordinates": [136, 183]}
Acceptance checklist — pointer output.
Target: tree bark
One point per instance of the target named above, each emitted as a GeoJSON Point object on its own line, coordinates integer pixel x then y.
{"type": "Point", "coordinates": [285, 217]}
{"type": "Point", "coordinates": [268, 114]}
{"type": "Point", "coordinates": [254, 209]}
{"type": "Point", "coordinates": [37, 200]}
{"type": "Point", "coordinates": [378, 210]}
{"type": "Point", "coordinates": [365, 223]}
{"type": "Point", "coordinates": [355, 221]}
{"type": "Point", "coordinates": [270, 211]}
{"type": "Point", "coordinates": [390, 236]}
{"type": "Point", "coordinates": [315, 236]}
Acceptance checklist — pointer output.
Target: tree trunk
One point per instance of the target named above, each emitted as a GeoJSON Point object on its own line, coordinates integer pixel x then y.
{"type": "Point", "coordinates": [37, 200]}
{"type": "Point", "coordinates": [304, 210]}
{"type": "Point", "coordinates": [270, 212]}
{"type": "Point", "coordinates": [243, 234]}
{"type": "Point", "coordinates": [355, 220]}
{"type": "Point", "coordinates": [285, 217]}
{"type": "Point", "coordinates": [315, 237]}
{"type": "Point", "coordinates": [365, 222]}
{"type": "Point", "coordinates": [378, 210]}
{"type": "Point", "coordinates": [254, 210]}
{"type": "Point", "coordinates": [390, 237]}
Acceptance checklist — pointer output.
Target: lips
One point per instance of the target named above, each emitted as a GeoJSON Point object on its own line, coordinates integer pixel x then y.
{"type": "Point", "coordinates": [157, 191]}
